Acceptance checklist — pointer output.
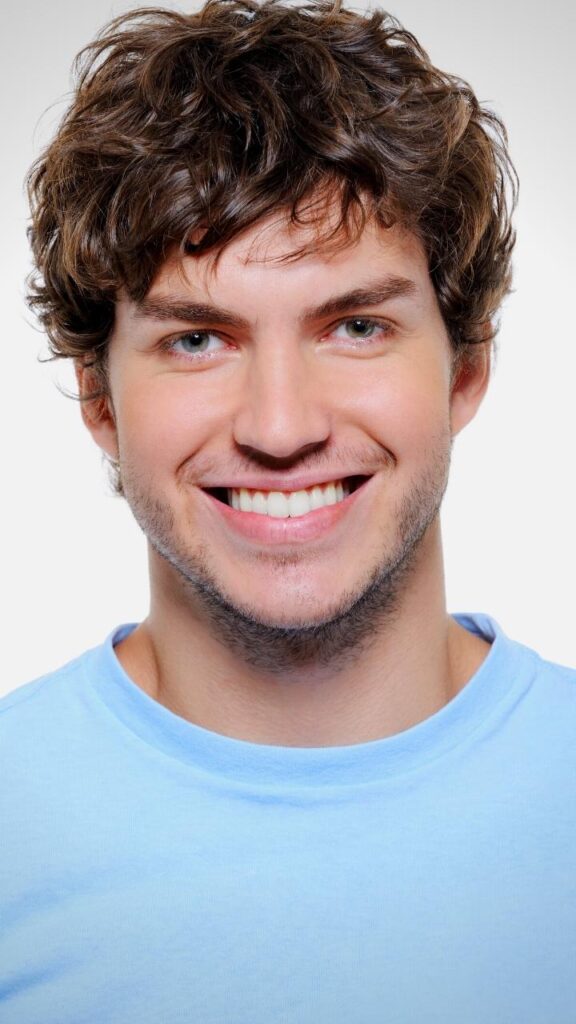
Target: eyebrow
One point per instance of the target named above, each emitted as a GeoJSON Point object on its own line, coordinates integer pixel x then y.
{"type": "Point", "coordinates": [375, 293]}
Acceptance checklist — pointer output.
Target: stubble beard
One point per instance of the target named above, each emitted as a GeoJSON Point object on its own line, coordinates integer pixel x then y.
{"type": "Point", "coordinates": [349, 630]}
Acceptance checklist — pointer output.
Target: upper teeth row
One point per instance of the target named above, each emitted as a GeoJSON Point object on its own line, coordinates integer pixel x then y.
{"type": "Point", "coordinates": [284, 504]}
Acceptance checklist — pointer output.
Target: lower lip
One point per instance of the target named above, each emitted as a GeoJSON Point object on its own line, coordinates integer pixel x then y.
{"type": "Point", "coordinates": [270, 530]}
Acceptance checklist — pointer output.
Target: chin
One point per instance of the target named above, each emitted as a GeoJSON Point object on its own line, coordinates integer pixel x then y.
{"type": "Point", "coordinates": [289, 614]}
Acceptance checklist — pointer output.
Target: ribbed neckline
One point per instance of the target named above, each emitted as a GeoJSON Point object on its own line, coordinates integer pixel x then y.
{"type": "Point", "coordinates": [502, 678]}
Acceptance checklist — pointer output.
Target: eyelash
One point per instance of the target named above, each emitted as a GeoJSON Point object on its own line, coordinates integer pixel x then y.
{"type": "Point", "coordinates": [381, 326]}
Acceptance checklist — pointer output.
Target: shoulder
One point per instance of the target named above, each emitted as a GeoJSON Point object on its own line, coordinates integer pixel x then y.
{"type": "Point", "coordinates": [24, 701]}
{"type": "Point", "coordinates": [52, 718]}
{"type": "Point", "coordinates": [529, 702]}
{"type": "Point", "coordinates": [545, 720]}
{"type": "Point", "coordinates": [63, 685]}
{"type": "Point", "coordinates": [554, 682]}
{"type": "Point", "coordinates": [516, 658]}
{"type": "Point", "coordinates": [551, 674]}
{"type": "Point", "coordinates": [36, 718]}
{"type": "Point", "coordinates": [552, 686]}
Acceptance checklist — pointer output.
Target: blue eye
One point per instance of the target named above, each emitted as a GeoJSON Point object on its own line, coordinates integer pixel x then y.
{"type": "Point", "coordinates": [192, 342]}
{"type": "Point", "coordinates": [359, 327]}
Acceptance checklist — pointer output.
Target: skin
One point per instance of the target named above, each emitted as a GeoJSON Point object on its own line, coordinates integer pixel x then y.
{"type": "Point", "coordinates": [335, 640]}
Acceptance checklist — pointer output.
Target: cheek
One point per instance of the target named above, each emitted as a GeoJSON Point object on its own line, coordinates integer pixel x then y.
{"type": "Point", "coordinates": [402, 409]}
{"type": "Point", "coordinates": [161, 423]}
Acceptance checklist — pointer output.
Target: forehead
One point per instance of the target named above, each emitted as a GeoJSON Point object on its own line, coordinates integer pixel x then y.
{"type": "Point", "coordinates": [276, 255]}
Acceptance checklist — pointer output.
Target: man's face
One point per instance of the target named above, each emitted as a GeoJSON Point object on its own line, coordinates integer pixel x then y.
{"type": "Point", "coordinates": [277, 376]}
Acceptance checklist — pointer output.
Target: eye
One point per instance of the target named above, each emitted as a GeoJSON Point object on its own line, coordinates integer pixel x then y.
{"type": "Point", "coordinates": [195, 343]}
{"type": "Point", "coordinates": [361, 328]}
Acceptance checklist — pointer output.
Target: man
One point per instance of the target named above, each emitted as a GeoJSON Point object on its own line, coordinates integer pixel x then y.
{"type": "Point", "coordinates": [274, 240]}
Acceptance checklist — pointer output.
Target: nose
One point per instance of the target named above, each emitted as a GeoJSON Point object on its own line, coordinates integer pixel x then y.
{"type": "Point", "coordinates": [283, 407]}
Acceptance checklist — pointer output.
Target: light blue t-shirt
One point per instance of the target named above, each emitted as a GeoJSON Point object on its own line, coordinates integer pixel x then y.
{"type": "Point", "coordinates": [155, 872]}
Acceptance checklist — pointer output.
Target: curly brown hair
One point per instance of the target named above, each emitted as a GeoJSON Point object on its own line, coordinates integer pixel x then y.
{"type": "Point", "coordinates": [210, 121]}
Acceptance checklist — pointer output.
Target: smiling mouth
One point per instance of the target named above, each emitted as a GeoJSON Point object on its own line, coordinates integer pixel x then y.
{"type": "Point", "coordinates": [287, 504]}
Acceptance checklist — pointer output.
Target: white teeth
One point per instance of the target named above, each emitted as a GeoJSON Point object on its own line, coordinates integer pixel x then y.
{"type": "Point", "coordinates": [259, 503]}
{"type": "Point", "coordinates": [316, 497]}
{"type": "Point", "coordinates": [288, 504]}
{"type": "Point", "coordinates": [330, 495]}
{"type": "Point", "coordinates": [278, 505]}
{"type": "Point", "coordinates": [298, 503]}
{"type": "Point", "coordinates": [245, 501]}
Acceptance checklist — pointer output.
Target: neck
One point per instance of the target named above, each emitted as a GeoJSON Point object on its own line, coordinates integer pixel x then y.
{"type": "Point", "coordinates": [416, 664]}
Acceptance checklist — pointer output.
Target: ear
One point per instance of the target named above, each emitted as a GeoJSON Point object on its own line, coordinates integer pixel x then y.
{"type": "Point", "coordinates": [97, 411]}
{"type": "Point", "coordinates": [469, 384]}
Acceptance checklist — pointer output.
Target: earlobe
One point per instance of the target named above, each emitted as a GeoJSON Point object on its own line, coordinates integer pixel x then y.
{"type": "Point", "coordinates": [97, 410]}
{"type": "Point", "coordinates": [469, 385]}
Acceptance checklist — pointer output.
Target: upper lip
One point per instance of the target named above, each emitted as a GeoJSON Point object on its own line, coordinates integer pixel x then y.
{"type": "Point", "coordinates": [282, 483]}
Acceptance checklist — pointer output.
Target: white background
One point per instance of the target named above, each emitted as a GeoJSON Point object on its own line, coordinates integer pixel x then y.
{"type": "Point", "coordinates": [74, 562]}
